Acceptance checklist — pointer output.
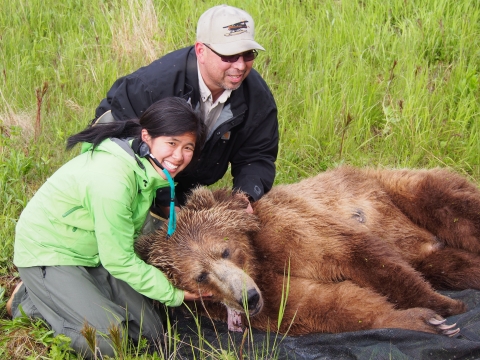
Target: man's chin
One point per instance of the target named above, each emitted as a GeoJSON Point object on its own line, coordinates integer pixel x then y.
{"type": "Point", "coordinates": [232, 86]}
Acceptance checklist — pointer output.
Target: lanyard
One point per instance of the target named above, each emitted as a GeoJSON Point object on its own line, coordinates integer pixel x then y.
{"type": "Point", "coordinates": [172, 219]}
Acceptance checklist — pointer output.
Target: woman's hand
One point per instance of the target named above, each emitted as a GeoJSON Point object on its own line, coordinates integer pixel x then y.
{"type": "Point", "coordinates": [188, 296]}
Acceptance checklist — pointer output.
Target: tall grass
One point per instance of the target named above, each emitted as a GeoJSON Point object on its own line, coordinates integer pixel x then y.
{"type": "Point", "coordinates": [370, 83]}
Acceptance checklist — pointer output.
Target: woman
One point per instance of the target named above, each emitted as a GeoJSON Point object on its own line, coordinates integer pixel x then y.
{"type": "Point", "coordinates": [74, 239]}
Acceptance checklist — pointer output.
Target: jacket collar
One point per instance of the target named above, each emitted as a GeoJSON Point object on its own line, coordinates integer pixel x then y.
{"type": "Point", "coordinates": [192, 91]}
{"type": "Point", "coordinates": [148, 178]}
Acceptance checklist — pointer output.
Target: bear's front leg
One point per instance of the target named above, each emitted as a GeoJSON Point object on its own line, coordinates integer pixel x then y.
{"type": "Point", "coordinates": [312, 307]}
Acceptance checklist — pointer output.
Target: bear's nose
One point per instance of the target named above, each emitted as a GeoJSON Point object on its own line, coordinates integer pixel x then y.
{"type": "Point", "coordinates": [252, 299]}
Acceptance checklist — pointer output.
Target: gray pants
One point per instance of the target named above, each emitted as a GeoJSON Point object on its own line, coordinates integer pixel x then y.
{"type": "Point", "coordinates": [68, 296]}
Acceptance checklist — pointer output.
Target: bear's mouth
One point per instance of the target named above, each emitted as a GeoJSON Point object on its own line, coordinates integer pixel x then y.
{"type": "Point", "coordinates": [251, 301]}
{"type": "Point", "coordinates": [256, 310]}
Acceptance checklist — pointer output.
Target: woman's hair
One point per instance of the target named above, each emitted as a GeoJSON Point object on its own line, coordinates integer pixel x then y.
{"type": "Point", "coordinates": [166, 117]}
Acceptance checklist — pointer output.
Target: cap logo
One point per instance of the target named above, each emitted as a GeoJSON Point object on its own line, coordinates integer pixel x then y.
{"type": "Point", "coordinates": [237, 28]}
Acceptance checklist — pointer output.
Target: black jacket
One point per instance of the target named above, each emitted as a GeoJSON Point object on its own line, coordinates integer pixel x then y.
{"type": "Point", "coordinates": [248, 139]}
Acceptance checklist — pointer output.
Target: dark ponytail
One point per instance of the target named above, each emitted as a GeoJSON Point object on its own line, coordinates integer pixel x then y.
{"type": "Point", "coordinates": [166, 117]}
{"type": "Point", "coordinates": [96, 134]}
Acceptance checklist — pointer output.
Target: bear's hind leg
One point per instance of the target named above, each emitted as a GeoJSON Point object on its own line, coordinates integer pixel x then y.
{"type": "Point", "coordinates": [443, 202]}
{"type": "Point", "coordinates": [375, 265]}
{"type": "Point", "coordinates": [451, 269]}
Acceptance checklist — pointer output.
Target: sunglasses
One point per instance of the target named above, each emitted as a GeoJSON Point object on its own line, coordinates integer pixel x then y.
{"type": "Point", "coordinates": [247, 55]}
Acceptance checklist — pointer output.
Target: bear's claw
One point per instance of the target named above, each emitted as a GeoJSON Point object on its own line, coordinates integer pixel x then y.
{"type": "Point", "coordinates": [436, 322]}
{"type": "Point", "coordinates": [444, 328]}
{"type": "Point", "coordinates": [451, 333]}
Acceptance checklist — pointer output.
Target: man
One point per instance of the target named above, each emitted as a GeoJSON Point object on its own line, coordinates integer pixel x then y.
{"type": "Point", "coordinates": [216, 76]}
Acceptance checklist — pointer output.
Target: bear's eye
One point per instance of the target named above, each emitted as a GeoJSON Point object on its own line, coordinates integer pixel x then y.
{"type": "Point", "coordinates": [226, 254]}
{"type": "Point", "coordinates": [202, 277]}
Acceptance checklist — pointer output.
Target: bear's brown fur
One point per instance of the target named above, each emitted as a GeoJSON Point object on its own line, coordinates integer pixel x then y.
{"type": "Point", "coordinates": [349, 249]}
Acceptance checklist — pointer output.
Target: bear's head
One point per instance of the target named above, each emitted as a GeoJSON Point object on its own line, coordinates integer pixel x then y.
{"type": "Point", "coordinates": [210, 250]}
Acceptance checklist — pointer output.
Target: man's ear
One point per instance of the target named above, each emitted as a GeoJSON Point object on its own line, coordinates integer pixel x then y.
{"type": "Point", "coordinates": [200, 52]}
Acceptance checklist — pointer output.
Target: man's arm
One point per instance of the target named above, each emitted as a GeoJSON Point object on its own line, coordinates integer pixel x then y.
{"type": "Point", "coordinates": [128, 98]}
{"type": "Point", "coordinates": [253, 166]}
{"type": "Point", "coordinates": [131, 95]}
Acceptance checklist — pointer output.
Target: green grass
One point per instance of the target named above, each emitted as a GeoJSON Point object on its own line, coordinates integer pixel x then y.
{"type": "Point", "coordinates": [370, 83]}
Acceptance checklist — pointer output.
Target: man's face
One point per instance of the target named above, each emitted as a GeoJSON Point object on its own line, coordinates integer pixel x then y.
{"type": "Point", "coordinates": [219, 75]}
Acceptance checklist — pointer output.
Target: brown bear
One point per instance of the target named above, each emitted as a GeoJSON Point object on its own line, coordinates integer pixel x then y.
{"type": "Point", "coordinates": [349, 249]}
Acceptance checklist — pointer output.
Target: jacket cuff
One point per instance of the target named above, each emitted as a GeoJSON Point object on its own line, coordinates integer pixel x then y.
{"type": "Point", "coordinates": [178, 297]}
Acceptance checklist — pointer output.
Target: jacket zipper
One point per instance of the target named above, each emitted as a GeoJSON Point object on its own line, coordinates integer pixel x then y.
{"type": "Point", "coordinates": [72, 210]}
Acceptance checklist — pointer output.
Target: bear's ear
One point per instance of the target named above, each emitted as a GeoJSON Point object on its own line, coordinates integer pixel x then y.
{"type": "Point", "coordinates": [240, 219]}
{"type": "Point", "coordinates": [238, 200]}
{"type": "Point", "coordinates": [200, 198]}
{"type": "Point", "coordinates": [222, 195]}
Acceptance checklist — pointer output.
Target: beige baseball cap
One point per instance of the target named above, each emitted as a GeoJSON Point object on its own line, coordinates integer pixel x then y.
{"type": "Point", "coordinates": [227, 30]}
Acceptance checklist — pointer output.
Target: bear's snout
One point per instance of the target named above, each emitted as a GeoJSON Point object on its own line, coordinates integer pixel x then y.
{"type": "Point", "coordinates": [235, 288]}
{"type": "Point", "coordinates": [254, 301]}
{"type": "Point", "coordinates": [253, 297]}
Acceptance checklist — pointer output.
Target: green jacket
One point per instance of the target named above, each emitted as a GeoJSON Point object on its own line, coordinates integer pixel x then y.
{"type": "Point", "coordinates": [88, 213]}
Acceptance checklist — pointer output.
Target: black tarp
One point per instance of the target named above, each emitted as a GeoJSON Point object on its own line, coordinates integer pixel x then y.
{"type": "Point", "coordinates": [371, 344]}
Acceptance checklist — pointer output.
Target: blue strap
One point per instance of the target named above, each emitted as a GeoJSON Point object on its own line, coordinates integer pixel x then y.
{"type": "Point", "coordinates": [125, 145]}
{"type": "Point", "coordinates": [172, 220]}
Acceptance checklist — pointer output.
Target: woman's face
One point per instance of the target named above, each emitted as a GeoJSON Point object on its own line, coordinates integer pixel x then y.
{"type": "Point", "coordinates": [174, 153]}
